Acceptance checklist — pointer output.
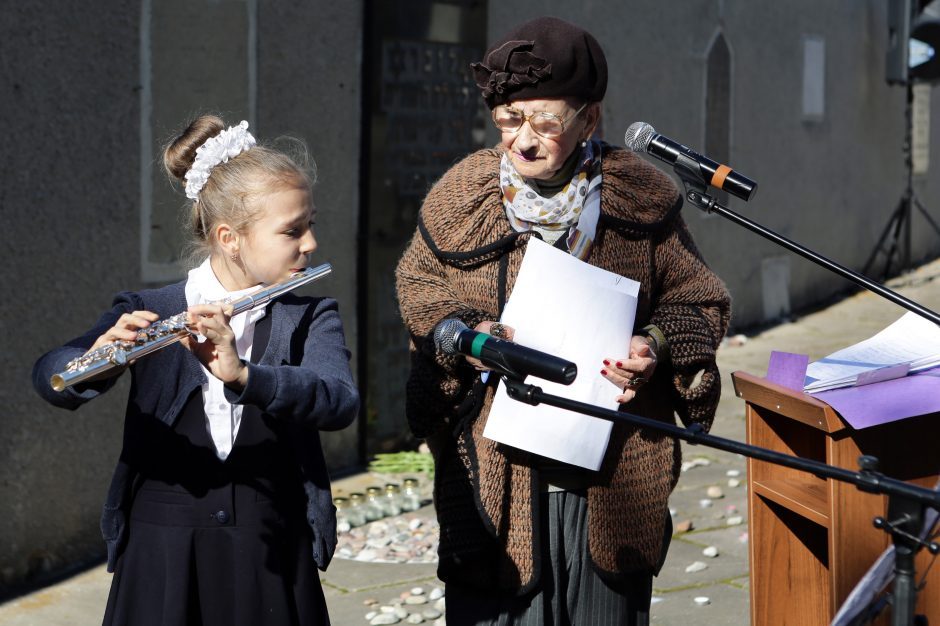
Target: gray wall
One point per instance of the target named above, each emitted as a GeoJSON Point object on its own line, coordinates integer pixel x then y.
{"type": "Point", "coordinates": [830, 185]}
{"type": "Point", "coordinates": [87, 100]}
{"type": "Point", "coordinates": [81, 116]}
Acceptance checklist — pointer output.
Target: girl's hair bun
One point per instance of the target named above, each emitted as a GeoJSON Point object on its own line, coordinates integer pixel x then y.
{"type": "Point", "coordinates": [181, 153]}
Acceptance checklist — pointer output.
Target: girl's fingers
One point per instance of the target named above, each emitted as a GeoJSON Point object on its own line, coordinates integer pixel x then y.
{"type": "Point", "coordinates": [126, 327]}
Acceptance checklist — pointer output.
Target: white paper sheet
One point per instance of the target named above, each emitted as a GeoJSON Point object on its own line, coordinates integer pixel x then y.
{"type": "Point", "coordinates": [581, 313]}
{"type": "Point", "coordinates": [912, 340]}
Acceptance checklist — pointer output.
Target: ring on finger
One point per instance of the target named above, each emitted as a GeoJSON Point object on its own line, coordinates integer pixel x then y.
{"type": "Point", "coordinates": [498, 330]}
{"type": "Point", "coordinates": [634, 382]}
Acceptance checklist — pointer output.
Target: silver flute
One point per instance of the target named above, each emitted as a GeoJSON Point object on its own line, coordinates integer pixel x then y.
{"type": "Point", "coordinates": [165, 332]}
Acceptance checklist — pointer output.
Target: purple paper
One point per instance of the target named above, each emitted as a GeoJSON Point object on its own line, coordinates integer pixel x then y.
{"type": "Point", "coordinates": [787, 369]}
{"type": "Point", "coordinates": [887, 401]}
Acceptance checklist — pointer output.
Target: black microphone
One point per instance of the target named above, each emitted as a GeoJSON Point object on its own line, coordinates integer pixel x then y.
{"type": "Point", "coordinates": [641, 137]}
{"type": "Point", "coordinates": [454, 337]}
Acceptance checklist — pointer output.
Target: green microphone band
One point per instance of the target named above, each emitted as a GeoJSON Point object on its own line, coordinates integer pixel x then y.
{"type": "Point", "coordinates": [477, 344]}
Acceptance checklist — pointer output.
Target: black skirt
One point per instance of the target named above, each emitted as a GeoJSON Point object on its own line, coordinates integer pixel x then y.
{"type": "Point", "coordinates": [214, 542]}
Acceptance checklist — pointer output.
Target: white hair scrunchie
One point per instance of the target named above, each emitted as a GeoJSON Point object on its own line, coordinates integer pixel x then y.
{"type": "Point", "coordinates": [219, 149]}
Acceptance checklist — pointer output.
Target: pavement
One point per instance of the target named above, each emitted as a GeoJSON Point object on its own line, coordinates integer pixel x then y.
{"type": "Point", "coordinates": [684, 592]}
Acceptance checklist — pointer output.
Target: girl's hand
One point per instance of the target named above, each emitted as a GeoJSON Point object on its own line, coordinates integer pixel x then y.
{"type": "Point", "coordinates": [125, 329]}
{"type": "Point", "coordinates": [218, 352]}
{"type": "Point", "coordinates": [633, 372]}
{"type": "Point", "coordinates": [500, 331]}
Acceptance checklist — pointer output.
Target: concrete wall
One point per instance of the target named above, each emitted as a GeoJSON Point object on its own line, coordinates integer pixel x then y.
{"type": "Point", "coordinates": [830, 184]}
{"type": "Point", "coordinates": [88, 99]}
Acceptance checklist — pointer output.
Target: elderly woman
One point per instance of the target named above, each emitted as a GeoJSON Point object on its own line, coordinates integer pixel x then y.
{"type": "Point", "coordinates": [525, 539]}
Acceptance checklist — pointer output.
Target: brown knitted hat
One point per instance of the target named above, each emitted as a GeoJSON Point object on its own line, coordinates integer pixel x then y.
{"type": "Point", "coordinates": [544, 58]}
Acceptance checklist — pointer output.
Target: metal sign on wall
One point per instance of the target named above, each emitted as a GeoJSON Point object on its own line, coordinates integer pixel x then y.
{"type": "Point", "coordinates": [430, 103]}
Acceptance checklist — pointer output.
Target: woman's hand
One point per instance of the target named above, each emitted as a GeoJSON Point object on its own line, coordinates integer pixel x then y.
{"type": "Point", "coordinates": [218, 352]}
{"type": "Point", "coordinates": [125, 329]}
{"type": "Point", "coordinates": [500, 331]}
{"type": "Point", "coordinates": [631, 373]}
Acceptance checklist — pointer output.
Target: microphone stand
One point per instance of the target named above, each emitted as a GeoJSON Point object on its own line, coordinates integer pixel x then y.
{"type": "Point", "coordinates": [688, 171]}
{"type": "Point", "coordinates": [907, 502]}
{"type": "Point", "coordinates": [905, 505]}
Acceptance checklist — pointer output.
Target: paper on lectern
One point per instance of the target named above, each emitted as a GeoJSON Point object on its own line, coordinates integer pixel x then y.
{"type": "Point", "coordinates": [576, 311]}
{"type": "Point", "coordinates": [909, 345]}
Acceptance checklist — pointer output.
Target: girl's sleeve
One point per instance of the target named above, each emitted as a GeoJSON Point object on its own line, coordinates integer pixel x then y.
{"type": "Point", "coordinates": [319, 392]}
{"type": "Point", "coordinates": [692, 309]}
{"type": "Point", "coordinates": [54, 361]}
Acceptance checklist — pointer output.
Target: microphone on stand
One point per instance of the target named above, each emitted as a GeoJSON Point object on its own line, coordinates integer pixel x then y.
{"type": "Point", "coordinates": [452, 336]}
{"type": "Point", "coordinates": [641, 137]}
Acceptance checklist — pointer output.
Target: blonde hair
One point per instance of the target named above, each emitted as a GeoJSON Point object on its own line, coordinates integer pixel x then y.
{"type": "Point", "coordinates": [233, 192]}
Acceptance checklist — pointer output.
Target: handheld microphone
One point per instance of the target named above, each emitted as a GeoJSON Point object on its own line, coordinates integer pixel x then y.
{"type": "Point", "coordinates": [454, 337]}
{"type": "Point", "coordinates": [641, 137]}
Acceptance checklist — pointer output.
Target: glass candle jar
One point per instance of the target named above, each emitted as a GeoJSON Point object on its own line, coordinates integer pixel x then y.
{"type": "Point", "coordinates": [392, 499]}
{"type": "Point", "coordinates": [375, 504]}
{"type": "Point", "coordinates": [356, 511]}
{"type": "Point", "coordinates": [410, 496]}
{"type": "Point", "coordinates": [342, 514]}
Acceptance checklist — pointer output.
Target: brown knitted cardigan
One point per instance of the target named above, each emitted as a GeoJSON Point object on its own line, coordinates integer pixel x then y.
{"type": "Point", "coordinates": [463, 262]}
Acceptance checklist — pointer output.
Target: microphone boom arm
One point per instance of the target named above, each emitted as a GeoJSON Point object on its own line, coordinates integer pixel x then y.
{"type": "Point", "coordinates": [697, 195]}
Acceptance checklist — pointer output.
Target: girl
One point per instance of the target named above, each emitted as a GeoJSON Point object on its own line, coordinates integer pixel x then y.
{"type": "Point", "coordinates": [220, 510]}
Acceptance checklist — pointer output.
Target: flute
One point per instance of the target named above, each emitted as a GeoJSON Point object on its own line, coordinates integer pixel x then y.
{"type": "Point", "coordinates": [165, 332]}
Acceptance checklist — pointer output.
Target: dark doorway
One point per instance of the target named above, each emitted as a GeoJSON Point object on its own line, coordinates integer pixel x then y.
{"type": "Point", "coordinates": [423, 113]}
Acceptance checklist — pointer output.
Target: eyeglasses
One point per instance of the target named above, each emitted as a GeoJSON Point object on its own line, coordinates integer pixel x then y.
{"type": "Point", "coordinates": [549, 125]}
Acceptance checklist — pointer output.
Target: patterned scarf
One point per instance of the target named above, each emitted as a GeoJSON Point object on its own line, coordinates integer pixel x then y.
{"type": "Point", "coordinates": [576, 208]}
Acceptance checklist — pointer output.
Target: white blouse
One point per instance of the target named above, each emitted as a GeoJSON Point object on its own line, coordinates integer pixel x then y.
{"type": "Point", "coordinates": [222, 418]}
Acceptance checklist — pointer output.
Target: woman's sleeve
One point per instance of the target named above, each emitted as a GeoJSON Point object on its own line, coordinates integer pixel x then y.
{"type": "Point", "coordinates": [692, 308]}
{"type": "Point", "coordinates": [438, 382]}
{"type": "Point", "coordinates": [319, 392]}
{"type": "Point", "coordinates": [54, 361]}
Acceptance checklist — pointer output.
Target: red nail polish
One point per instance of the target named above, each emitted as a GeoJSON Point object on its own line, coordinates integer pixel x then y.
{"type": "Point", "coordinates": [619, 364]}
{"type": "Point", "coordinates": [603, 372]}
{"type": "Point", "coordinates": [606, 362]}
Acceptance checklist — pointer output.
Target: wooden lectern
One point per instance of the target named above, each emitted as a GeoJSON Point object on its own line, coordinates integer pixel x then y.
{"type": "Point", "coordinates": [812, 539]}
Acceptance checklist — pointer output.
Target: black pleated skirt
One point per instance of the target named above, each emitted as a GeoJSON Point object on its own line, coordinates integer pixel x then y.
{"type": "Point", "coordinates": [202, 563]}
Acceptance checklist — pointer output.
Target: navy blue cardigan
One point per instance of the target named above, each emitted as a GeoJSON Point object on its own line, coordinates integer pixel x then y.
{"type": "Point", "coordinates": [303, 378]}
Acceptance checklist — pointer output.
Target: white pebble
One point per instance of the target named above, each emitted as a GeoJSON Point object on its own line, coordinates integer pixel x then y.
{"type": "Point", "coordinates": [655, 600]}
{"type": "Point", "coordinates": [736, 520]}
{"type": "Point", "coordinates": [704, 503]}
{"type": "Point", "coordinates": [711, 552]}
{"type": "Point", "coordinates": [367, 555]}
{"type": "Point", "coordinates": [415, 524]}
{"type": "Point", "coordinates": [431, 613]}
{"type": "Point", "coordinates": [400, 613]}
{"type": "Point", "coordinates": [384, 618]}
{"type": "Point", "coordinates": [697, 566]}
{"type": "Point", "coordinates": [417, 591]}
{"type": "Point", "coordinates": [672, 512]}
{"type": "Point", "coordinates": [414, 618]}
{"type": "Point", "coordinates": [715, 492]}
{"type": "Point", "coordinates": [733, 473]}
{"type": "Point", "coordinates": [436, 593]}
{"type": "Point", "coordinates": [733, 482]}
{"type": "Point", "coordinates": [386, 608]}
{"type": "Point", "coordinates": [371, 614]}
{"type": "Point", "coordinates": [378, 542]}
{"type": "Point", "coordinates": [416, 600]}
{"type": "Point", "coordinates": [702, 600]}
